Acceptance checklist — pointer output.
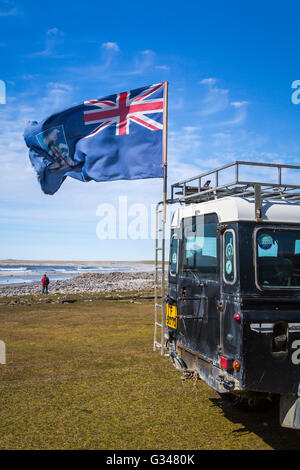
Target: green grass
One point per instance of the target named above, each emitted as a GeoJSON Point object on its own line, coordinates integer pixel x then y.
{"type": "Point", "coordinates": [84, 376]}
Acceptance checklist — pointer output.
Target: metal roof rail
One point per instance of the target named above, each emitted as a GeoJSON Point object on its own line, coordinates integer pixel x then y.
{"type": "Point", "coordinates": [200, 188]}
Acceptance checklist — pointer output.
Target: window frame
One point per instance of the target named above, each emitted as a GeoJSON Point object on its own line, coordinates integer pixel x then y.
{"type": "Point", "coordinates": [231, 283]}
{"type": "Point", "coordinates": [174, 236]}
{"type": "Point", "coordinates": [182, 269]}
{"type": "Point", "coordinates": [255, 256]}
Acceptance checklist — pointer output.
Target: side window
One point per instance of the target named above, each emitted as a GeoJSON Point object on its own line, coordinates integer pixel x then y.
{"type": "Point", "coordinates": [297, 247]}
{"type": "Point", "coordinates": [229, 257]}
{"type": "Point", "coordinates": [173, 255]}
{"type": "Point", "coordinates": [200, 246]}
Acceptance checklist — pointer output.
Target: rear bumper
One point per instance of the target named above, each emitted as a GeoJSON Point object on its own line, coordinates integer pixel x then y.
{"type": "Point", "coordinates": [267, 369]}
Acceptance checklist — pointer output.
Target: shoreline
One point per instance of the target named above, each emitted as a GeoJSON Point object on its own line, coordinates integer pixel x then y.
{"type": "Point", "coordinates": [23, 274]}
{"type": "Point", "coordinates": [103, 282]}
{"type": "Point", "coordinates": [22, 262]}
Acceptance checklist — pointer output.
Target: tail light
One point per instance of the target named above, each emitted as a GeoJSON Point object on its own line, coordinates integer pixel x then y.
{"type": "Point", "coordinates": [237, 317]}
{"type": "Point", "coordinates": [224, 363]}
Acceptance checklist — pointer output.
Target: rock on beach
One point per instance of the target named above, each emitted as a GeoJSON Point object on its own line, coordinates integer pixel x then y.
{"type": "Point", "coordinates": [113, 281]}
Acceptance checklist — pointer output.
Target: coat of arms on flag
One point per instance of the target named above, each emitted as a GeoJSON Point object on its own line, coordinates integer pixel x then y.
{"type": "Point", "coordinates": [115, 137]}
{"type": "Point", "coordinates": [53, 141]}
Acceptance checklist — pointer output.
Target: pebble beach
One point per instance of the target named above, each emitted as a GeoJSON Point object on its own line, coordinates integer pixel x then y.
{"type": "Point", "coordinates": [104, 282]}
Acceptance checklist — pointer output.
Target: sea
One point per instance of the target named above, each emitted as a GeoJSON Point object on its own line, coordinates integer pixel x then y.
{"type": "Point", "coordinates": [27, 273]}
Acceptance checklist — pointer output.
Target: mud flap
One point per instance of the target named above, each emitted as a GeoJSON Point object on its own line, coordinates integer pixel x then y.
{"type": "Point", "coordinates": [290, 411]}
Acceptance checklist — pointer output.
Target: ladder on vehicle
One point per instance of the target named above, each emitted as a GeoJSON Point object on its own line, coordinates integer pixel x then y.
{"type": "Point", "coordinates": [159, 286]}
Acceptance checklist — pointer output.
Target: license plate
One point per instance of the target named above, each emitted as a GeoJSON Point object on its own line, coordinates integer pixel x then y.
{"type": "Point", "coordinates": [171, 317]}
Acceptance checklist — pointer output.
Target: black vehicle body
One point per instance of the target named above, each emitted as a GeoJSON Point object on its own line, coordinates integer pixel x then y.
{"type": "Point", "coordinates": [237, 308]}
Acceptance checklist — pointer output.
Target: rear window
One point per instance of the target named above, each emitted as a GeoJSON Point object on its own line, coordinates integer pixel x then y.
{"type": "Point", "coordinates": [200, 246]}
{"type": "Point", "coordinates": [278, 258]}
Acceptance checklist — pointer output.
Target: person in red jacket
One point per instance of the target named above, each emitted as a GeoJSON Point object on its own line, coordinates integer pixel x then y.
{"type": "Point", "coordinates": [45, 283]}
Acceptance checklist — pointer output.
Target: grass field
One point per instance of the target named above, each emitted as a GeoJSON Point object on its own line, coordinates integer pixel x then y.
{"type": "Point", "coordinates": [84, 376]}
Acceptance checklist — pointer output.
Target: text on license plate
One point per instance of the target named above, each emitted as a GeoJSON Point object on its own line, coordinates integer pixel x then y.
{"type": "Point", "coordinates": [171, 317]}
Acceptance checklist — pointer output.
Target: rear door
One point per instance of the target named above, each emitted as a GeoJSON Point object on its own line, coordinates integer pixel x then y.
{"type": "Point", "coordinates": [198, 285]}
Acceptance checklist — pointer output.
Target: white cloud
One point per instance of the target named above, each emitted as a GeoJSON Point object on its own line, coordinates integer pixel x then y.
{"type": "Point", "coordinates": [191, 128]}
{"type": "Point", "coordinates": [239, 104]}
{"type": "Point", "coordinates": [183, 143]}
{"type": "Point", "coordinates": [112, 46]}
{"type": "Point", "coordinates": [53, 32]}
{"type": "Point", "coordinates": [208, 81]}
{"type": "Point", "coordinates": [58, 96]}
{"type": "Point", "coordinates": [214, 102]}
{"type": "Point", "coordinates": [238, 119]}
{"type": "Point", "coordinates": [52, 40]}
{"type": "Point", "coordinates": [143, 61]}
{"type": "Point", "coordinates": [60, 86]}
{"type": "Point", "coordinates": [162, 67]}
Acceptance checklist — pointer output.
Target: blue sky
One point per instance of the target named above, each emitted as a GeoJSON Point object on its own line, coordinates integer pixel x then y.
{"type": "Point", "coordinates": [230, 66]}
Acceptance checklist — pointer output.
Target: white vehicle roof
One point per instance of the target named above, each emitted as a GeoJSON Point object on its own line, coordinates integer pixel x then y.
{"type": "Point", "coordinates": [233, 209]}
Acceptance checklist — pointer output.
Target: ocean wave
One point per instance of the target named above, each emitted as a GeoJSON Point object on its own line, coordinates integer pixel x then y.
{"type": "Point", "coordinates": [53, 271]}
{"type": "Point", "coordinates": [12, 268]}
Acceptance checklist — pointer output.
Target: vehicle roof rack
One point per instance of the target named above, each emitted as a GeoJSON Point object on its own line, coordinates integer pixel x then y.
{"type": "Point", "coordinates": [209, 185]}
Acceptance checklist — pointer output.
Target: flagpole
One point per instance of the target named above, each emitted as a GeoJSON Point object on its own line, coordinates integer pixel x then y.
{"type": "Point", "coordinates": [164, 213]}
{"type": "Point", "coordinates": [165, 144]}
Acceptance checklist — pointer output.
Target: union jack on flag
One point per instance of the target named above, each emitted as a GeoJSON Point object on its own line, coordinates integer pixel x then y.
{"type": "Point", "coordinates": [118, 137]}
{"type": "Point", "coordinates": [125, 109]}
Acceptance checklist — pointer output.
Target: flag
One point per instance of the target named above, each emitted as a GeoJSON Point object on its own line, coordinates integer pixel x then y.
{"type": "Point", "coordinates": [112, 138]}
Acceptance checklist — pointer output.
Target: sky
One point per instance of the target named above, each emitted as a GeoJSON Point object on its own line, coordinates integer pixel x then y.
{"type": "Point", "coordinates": [230, 67]}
